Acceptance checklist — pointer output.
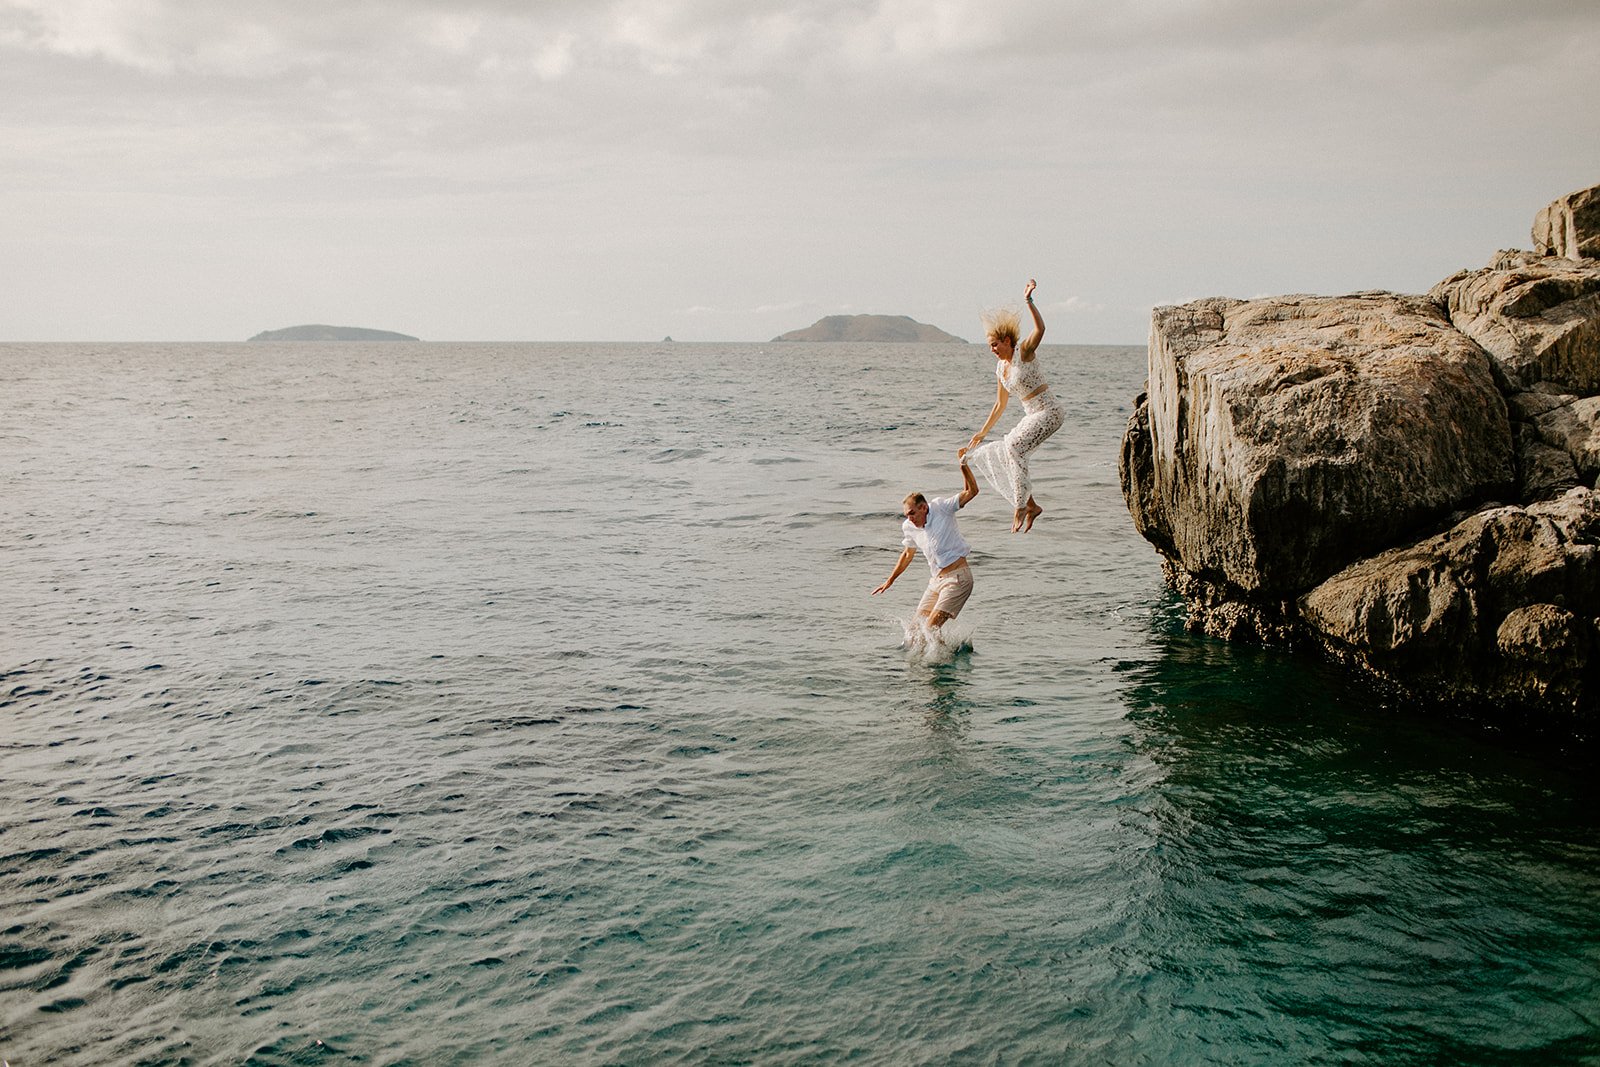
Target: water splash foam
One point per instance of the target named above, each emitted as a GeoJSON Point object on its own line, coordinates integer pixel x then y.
{"type": "Point", "coordinates": [933, 647]}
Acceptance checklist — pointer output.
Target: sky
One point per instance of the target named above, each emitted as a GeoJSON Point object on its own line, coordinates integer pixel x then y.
{"type": "Point", "coordinates": [728, 170]}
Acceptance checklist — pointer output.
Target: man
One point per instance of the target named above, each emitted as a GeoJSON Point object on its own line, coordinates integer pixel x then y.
{"type": "Point", "coordinates": [931, 526]}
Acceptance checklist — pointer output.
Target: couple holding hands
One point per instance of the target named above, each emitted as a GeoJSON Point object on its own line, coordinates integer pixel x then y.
{"type": "Point", "coordinates": [930, 525]}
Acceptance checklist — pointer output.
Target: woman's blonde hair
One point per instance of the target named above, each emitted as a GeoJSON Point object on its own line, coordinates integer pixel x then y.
{"type": "Point", "coordinates": [1002, 322]}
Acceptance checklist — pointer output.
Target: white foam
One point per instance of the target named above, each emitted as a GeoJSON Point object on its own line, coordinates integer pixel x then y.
{"type": "Point", "coordinates": [933, 646]}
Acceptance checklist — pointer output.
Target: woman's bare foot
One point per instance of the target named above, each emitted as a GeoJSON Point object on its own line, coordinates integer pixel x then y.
{"type": "Point", "coordinates": [1017, 519]}
{"type": "Point", "coordinates": [1034, 511]}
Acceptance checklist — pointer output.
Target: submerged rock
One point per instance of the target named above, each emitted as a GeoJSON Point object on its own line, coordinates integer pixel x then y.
{"type": "Point", "coordinates": [1406, 481]}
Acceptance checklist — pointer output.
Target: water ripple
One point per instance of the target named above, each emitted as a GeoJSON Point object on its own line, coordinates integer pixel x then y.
{"type": "Point", "coordinates": [391, 704]}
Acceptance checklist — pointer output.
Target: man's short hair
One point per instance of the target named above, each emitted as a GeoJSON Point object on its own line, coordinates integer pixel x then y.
{"type": "Point", "coordinates": [913, 500]}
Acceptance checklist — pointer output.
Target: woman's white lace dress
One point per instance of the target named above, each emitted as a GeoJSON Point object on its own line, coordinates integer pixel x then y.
{"type": "Point", "coordinates": [1004, 463]}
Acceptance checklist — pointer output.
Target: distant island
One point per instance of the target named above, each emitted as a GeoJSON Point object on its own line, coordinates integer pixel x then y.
{"type": "Point", "coordinates": [891, 328]}
{"type": "Point", "coordinates": [330, 333]}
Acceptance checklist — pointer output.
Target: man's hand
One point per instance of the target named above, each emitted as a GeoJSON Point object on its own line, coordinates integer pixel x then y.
{"type": "Point", "coordinates": [906, 556]}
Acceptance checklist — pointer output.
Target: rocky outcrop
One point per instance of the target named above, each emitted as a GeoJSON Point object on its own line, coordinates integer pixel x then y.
{"type": "Point", "coordinates": [1574, 428]}
{"type": "Point", "coordinates": [1537, 317]}
{"type": "Point", "coordinates": [1570, 226]}
{"type": "Point", "coordinates": [1499, 607]}
{"type": "Point", "coordinates": [1293, 435]}
{"type": "Point", "coordinates": [1405, 481]}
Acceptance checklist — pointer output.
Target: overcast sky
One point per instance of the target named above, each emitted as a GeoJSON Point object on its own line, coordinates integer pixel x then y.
{"type": "Point", "coordinates": [720, 170]}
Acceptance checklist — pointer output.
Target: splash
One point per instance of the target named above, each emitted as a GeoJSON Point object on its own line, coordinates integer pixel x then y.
{"type": "Point", "coordinates": [934, 647]}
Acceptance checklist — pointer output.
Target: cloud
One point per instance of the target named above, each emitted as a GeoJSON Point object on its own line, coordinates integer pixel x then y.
{"type": "Point", "coordinates": [1073, 305]}
{"type": "Point", "coordinates": [726, 41]}
{"type": "Point", "coordinates": [759, 310]}
{"type": "Point", "coordinates": [892, 154]}
{"type": "Point", "coordinates": [835, 76]}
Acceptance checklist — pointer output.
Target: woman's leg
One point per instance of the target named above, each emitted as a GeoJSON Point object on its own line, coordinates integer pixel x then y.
{"type": "Point", "coordinates": [1034, 430]}
{"type": "Point", "coordinates": [1020, 444]}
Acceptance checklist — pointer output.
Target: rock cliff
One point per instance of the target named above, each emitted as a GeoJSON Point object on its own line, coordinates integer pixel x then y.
{"type": "Point", "coordinates": [1407, 481]}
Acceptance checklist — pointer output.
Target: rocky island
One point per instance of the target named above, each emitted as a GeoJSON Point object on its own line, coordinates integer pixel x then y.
{"type": "Point", "coordinates": [1405, 481]}
{"type": "Point", "coordinates": [330, 333]}
{"type": "Point", "coordinates": [870, 328]}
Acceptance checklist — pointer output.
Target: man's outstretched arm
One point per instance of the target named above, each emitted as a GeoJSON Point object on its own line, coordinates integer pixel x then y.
{"type": "Point", "coordinates": [899, 568]}
{"type": "Point", "coordinates": [971, 489]}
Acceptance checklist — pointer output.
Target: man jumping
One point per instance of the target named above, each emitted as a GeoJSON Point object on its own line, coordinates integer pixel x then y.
{"type": "Point", "coordinates": [931, 526]}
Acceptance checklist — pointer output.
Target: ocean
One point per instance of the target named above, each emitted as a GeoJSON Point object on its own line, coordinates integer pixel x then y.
{"type": "Point", "coordinates": [525, 703]}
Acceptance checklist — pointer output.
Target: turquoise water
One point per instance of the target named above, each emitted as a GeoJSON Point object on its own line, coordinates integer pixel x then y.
{"type": "Point", "coordinates": [525, 704]}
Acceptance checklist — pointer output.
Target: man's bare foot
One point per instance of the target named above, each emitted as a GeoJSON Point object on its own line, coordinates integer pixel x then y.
{"type": "Point", "coordinates": [1034, 511]}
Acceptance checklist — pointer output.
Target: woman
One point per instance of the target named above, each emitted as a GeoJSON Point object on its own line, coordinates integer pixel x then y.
{"type": "Point", "coordinates": [1005, 463]}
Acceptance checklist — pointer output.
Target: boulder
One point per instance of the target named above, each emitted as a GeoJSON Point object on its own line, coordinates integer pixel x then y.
{"type": "Point", "coordinates": [1504, 606]}
{"type": "Point", "coordinates": [1542, 471]}
{"type": "Point", "coordinates": [1281, 439]}
{"type": "Point", "coordinates": [1570, 226]}
{"type": "Point", "coordinates": [1530, 404]}
{"type": "Point", "coordinates": [1546, 656]}
{"type": "Point", "coordinates": [1538, 317]}
{"type": "Point", "coordinates": [1574, 428]}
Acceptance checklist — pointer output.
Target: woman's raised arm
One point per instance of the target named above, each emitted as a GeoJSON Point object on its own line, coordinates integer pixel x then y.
{"type": "Point", "coordinates": [1027, 347]}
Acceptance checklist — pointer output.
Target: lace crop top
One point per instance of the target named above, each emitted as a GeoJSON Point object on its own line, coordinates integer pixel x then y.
{"type": "Point", "coordinates": [1018, 377]}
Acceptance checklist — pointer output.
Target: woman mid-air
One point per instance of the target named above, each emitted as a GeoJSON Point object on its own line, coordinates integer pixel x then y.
{"type": "Point", "coordinates": [1004, 463]}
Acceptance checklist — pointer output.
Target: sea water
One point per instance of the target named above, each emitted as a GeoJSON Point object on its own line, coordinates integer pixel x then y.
{"type": "Point", "coordinates": [440, 703]}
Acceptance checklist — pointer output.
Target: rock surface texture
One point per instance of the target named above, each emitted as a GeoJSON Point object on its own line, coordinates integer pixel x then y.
{"type": "Point", "coordinates": [1407, 481]}
{"type": "Point", "coordinates": [1537, 317]}
{"type": "Point", "coordinates": [1570, 226]}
